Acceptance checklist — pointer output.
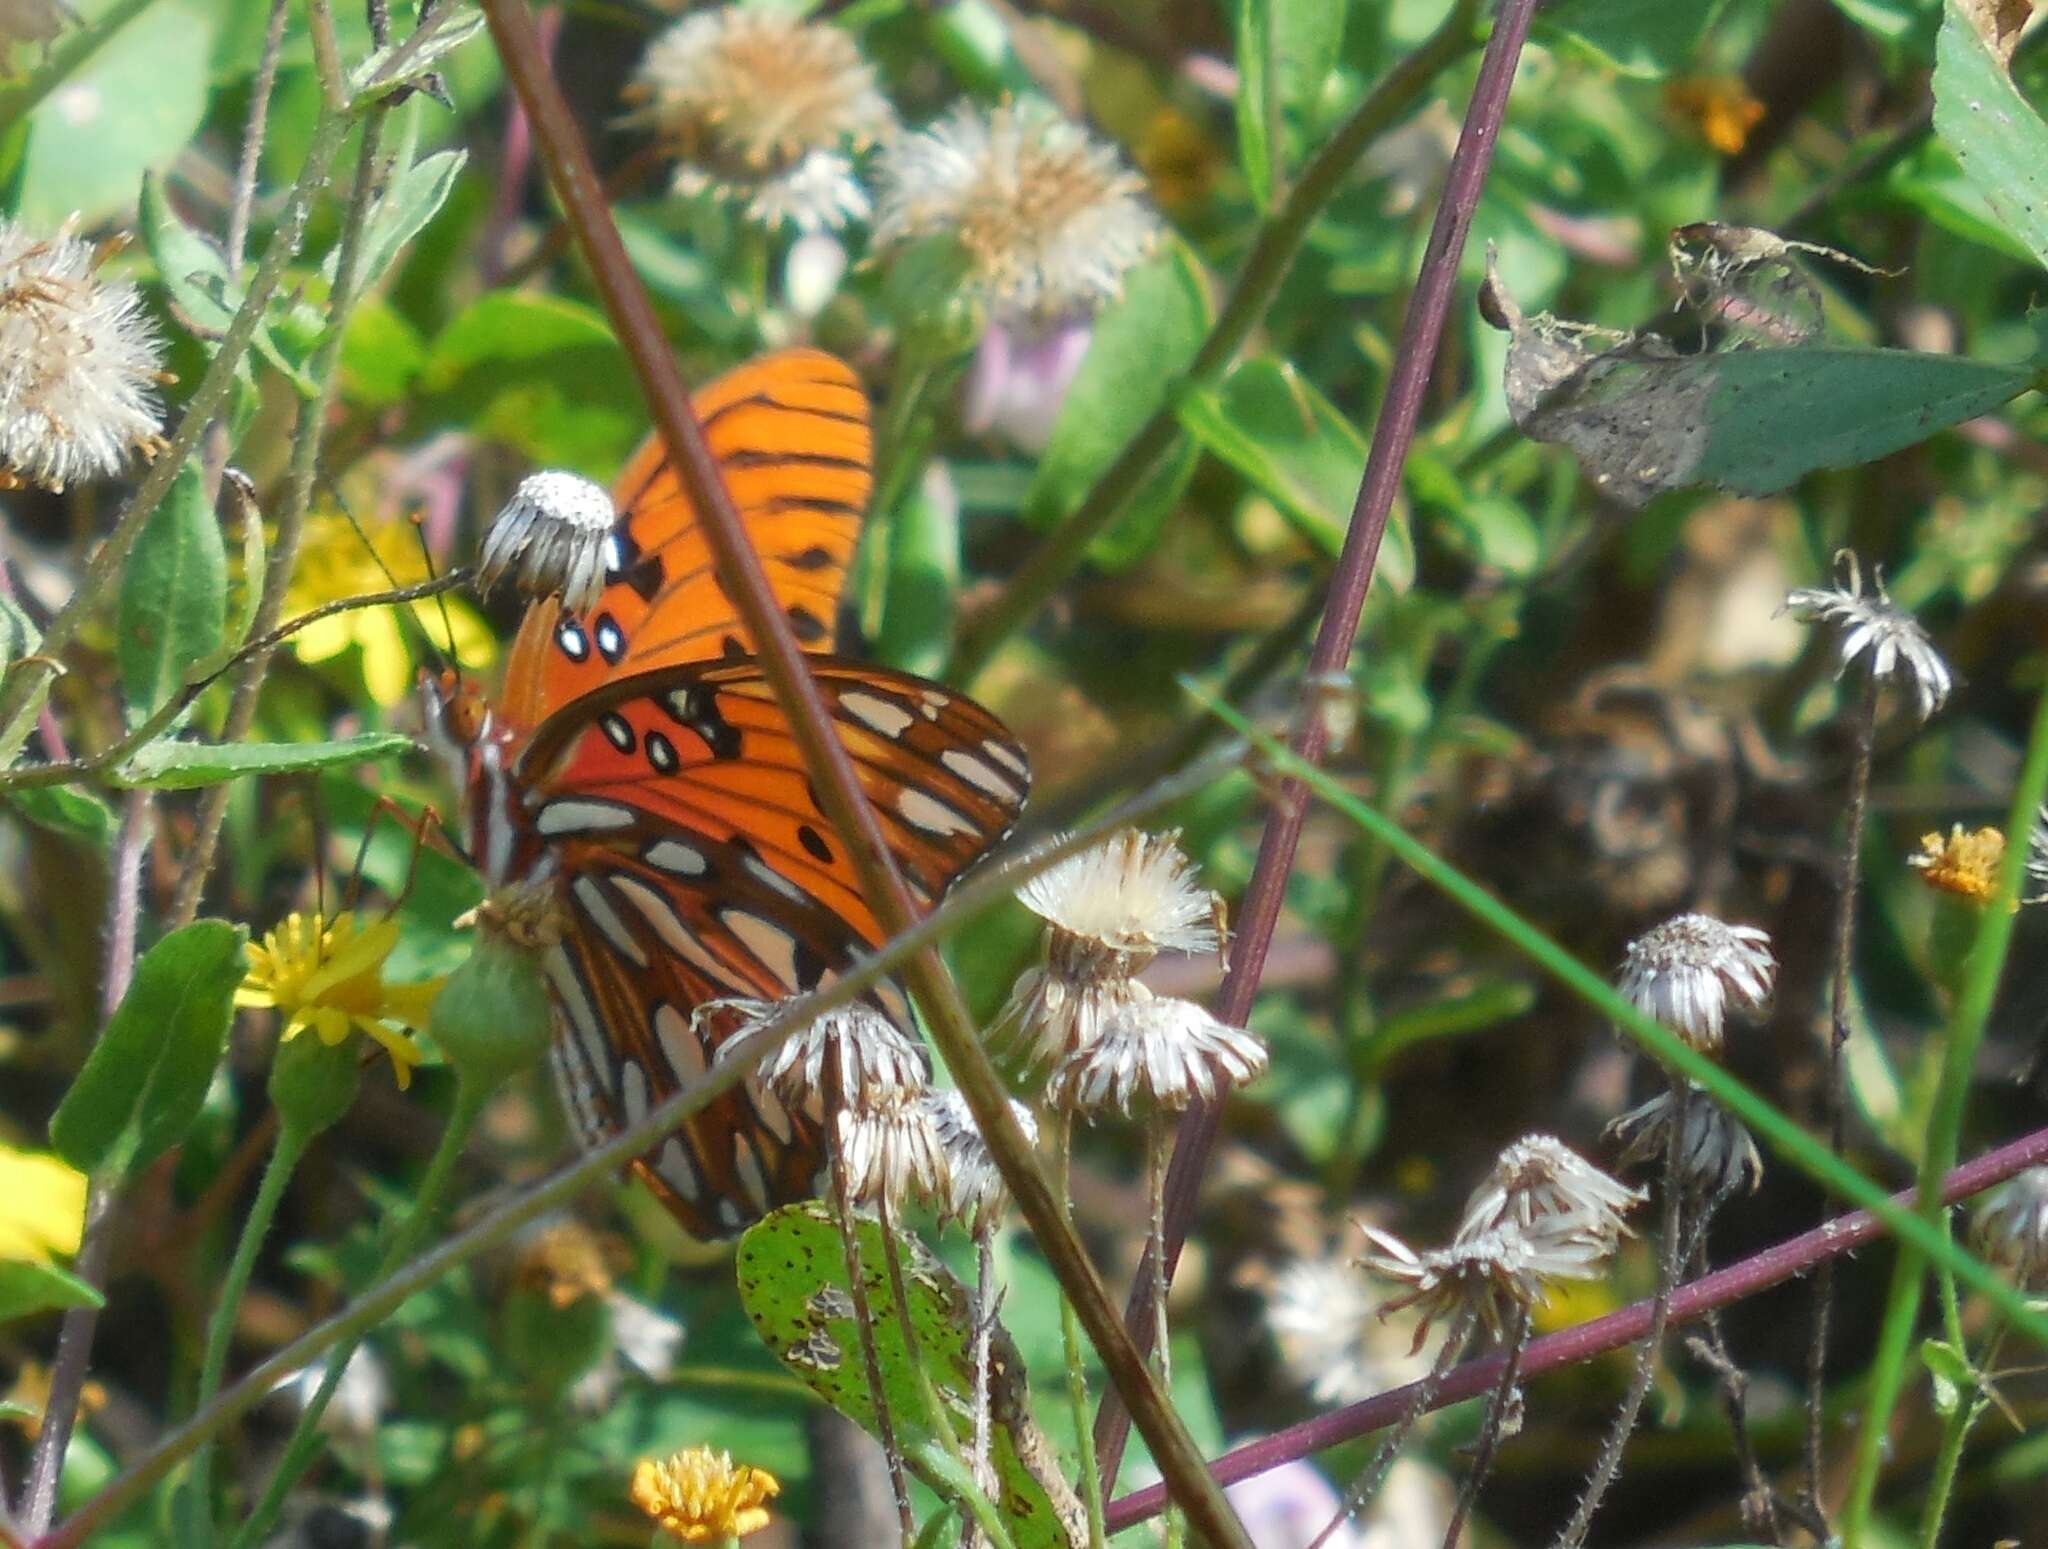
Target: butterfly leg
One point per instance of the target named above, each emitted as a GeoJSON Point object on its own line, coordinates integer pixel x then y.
{"type": "Point", "coordinates": [425, 826]}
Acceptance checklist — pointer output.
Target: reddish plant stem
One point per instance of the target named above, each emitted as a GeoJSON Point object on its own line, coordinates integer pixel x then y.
{"type": "Point", "coordinates": [1789, 1259]}
{"type": "Point", "coordinates": [1421, 333]}
{"type": "Point", "coordinates": [514, 163]}
{"type": "Point", "coordinates": [825, 757]}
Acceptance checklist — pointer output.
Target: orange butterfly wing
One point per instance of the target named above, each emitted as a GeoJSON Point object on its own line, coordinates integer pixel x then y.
{"type": "Point", "coordinates": [697, 864]}
{"type": "Point", "coordinates": [791, 435]}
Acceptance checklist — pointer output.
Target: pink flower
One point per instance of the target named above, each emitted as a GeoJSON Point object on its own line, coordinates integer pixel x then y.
{"type": "Point", "coordinates": [1019, 380]}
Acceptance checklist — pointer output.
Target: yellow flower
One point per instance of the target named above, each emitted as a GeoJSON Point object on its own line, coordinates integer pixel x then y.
{"type": "Point", "coordinates": [1718, 108]}
{"type": "Point", "coordinates": [42, 1207]}
{"type": "Point", "coordinates": [701, 1496]}
{"type": "Point", "coordinates": [1964, 864]}
{"type": "Point", "coordinates": [330, 977]}
{"type": "Point", "coordinates": [335, 563]}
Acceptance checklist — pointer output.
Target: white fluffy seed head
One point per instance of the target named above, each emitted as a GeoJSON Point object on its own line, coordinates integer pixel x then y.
{"type": "Point", "coordinates": [551, 538]}
{"type": "Point", "coordinates": [1113, 908]}
{"type": "Point", "coordinates": [766, 110]}
{"type": "Point", "coordinates": [1875, 628]}
{"type": "Point", "coordinates": [971, 1190]}
{"type": "Point", "coordinates": [891, 1151]}
{"type": "Point", "coordinates": [1717, 1154]}
{"type": "Point", "coordinates": [80, 363]}
{"type": "Point", "coordinates": [1491, 1273]}
{"type": "Point", "coordinates": [1541, 1183]}
{"type": "Point", "coordinates": [1323, 1316]}
{"type": "Point", "coordinates": [1049, 219]}
{"type": "Point", "coordinates": [852, 1056]}
{"type": "Point", "coordinates": [1688, 971]}
{"type": "Point", "coordinates": [1157, 1053]}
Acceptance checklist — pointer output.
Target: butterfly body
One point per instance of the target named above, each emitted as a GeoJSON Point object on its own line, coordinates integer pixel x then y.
{"type": "Point", "coordinates": [638, 764]}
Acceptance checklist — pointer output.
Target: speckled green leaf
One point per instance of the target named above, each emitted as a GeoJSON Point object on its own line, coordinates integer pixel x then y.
{"type": "Point", "coordinates": [1995, 133]}
{"type": "Point", "coordinates": [793, 1284]}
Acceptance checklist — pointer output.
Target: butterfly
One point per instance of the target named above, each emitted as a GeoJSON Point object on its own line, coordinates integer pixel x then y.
{"type": "Point", "coordinates": [637, 765]}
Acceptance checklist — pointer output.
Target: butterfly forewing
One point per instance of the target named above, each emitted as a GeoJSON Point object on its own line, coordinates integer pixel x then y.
{"type": "Point", "coordinates": [790, 433]}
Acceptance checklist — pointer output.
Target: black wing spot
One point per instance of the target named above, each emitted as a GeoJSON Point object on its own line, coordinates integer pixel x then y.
{"type": "Point", "coordinates": [816, 557]}
{"type": "Point", "coordinates": [810, 967]}
{"type": "Point", "coordinates": [809, 628]}
{"type": "Point", "coordinates": [730, 648]}
{"type": "Point", "coordinates": [814, 842]}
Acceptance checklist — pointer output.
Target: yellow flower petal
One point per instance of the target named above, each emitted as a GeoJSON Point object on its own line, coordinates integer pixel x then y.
{"type": "Point", "coordinates": [42, 1206]}
{"type": "Point", "coordinates": [387, 660]}
{"type": "Point", "coordinates": [405, 1055]}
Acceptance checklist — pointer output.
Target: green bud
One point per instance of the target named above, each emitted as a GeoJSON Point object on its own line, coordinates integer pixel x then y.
{"type": "Point", "coordinates": [550, 1345]}
{"type": "Point", "coordinates": [492, 1019]}
{"type": "Point", "coordinates": [313, 1083]}
{"type": "Point", "coordinates": [927, 293]}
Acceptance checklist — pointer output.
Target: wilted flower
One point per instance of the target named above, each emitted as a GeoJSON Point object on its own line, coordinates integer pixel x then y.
{"type": "Point", "coordinates": [565, 1262]}
{"type": "Point", "coordinates": [1965, 863]}
{"type": "Point", "coordinates": [2037, 858]}
{"type": "Point", "coordinates": [1871, 622]}
{"type": "Point", "coordinates": [2012, 1228]}
{"type": "Point", "coordinates": [79, 363]}
{"type": "Point", "coordinates": [32, 21]}
{"type": "Point", "coordinates": [1323, 1316]}
{"type": "Point", "coordinates": [1049, 219]}
{"type": "Point", "coordinates": [553, 537]}
{"type": "Point", "coordinates": [1161, 1053]}
{"type": "Point", "coordinates": [355, 1411]}
{"type": "Point", "coordinates": [42, 1207]}
{"type": "Point", "coordinates": [1717, 1154]}
{"type": "Point", "coordinates": [891, 1150]}
{"type": "Point", "coordinates": [1689, 970]}
{"type": "Point", "coordinates": [648, 1339]}
{"type": "Point", "coordinates": [330, 977]}
{"type": "Point", "coordinates": [852, 1053]}
{"type": "Point", "coordinates": [1718, 107]}
{"type": "Point", "coordinates": [1491, 1273]}
{"type": "Point", "coordinates": [701, 1496]}
{"type": "Point", "coordinates": [971, 1190]}
{"type": "Point", "coordinates": [765, 109]}
{"type": "Point", "coordinates": [1020, 379]}
{"type": "Point", "coordinates": [1541, 1183]}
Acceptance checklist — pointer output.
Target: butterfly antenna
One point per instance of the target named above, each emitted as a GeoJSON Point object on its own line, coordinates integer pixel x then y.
{"type": "Point", "coordinates": [406, 621]}
{"type": "Point", "coordinates": [419, 532]}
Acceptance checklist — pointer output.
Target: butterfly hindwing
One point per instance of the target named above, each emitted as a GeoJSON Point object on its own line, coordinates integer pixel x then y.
{"type": "Point", "coordinates": [791, 435]}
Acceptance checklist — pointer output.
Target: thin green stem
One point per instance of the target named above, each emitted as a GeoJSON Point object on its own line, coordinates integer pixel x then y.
{"type": "Point", "coordinates": [1954, 1437]}
{"type": "Point", "coordinates": [1271, 256]}
{"type": "Point", "coordinates": [1785, 1137]}
{"type": "Point", "coordinates": [220, 1330]}
{"type": "Point", "coordinates": [864, 1326]}
{"type": "Point", "coordinates": [898, 452]}
{"type": "Point", "coordinates": [1060, 1128]}
{"type": "Point", "coordinates": [1944, 1135]}
{"type": "Point", "coordinates": [1158, 1144]}
{"type": "Point", "coordinates": [325, 369]}
{"type": "Point", "coordinates": [304, 1443]}
{"type": "Point", "coordinates": [27, 683]}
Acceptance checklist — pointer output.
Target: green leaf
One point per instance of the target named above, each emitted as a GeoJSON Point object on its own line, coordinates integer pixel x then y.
{"type": "Point", "coordinates": [130, 108]}
{"type": "Point", "coordinates": [1269, 423]}
{"type": "Point", "coordinates": [542, 375]}
{"type": "Point", "coordinates": [1646, 38]}
{"type": "Point", "coordinates": [1286, 50]}
{"type": "Point", "coordinates": [924, 578]}
{"type": "Point", "coordinates": [1951, 1372]}
{"type": "Point", "coordinates": [398, 65]}
{"type": "Point", "coordinates": [144, 1082]}
{"type": "Point", "coordinates": [2000, 140]}
{"type": "Point", "coordinates": [1141, 346]}
{"type": "Point", "coordinates": [19, 636]}
{"type": "Point", "coordinates": [382, 355]}
{"type": "Point", "coordinates": [793, 1283]}
{"type": "Point", "coordinates": [27, 1289]}
{"type": "Point", "coordinates": [174, 595]}
{"type": "Point", "coordinates": [169, 765]}
{"type": "Point", "coordinates": [195, 273]}
{"type": "Point", "coordinates": [67, 810]}
{"type": "Point", "coordinates": [1643, 419]}
{"type": "Point", "coordinates": [408, 202]}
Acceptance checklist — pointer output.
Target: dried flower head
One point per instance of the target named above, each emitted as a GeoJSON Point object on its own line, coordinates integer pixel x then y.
{"type": "Point", "coordinates": [972, 1190]}
{"type": "Point", "coordinates": [32, 21]}
{"type": "Point", "coordinates": [765, 109]}
{"type": "Point", "coordinates": [1161, 1053]}
{"type": "Point", "coordinates": [330, 977]}
{"type": "Point", "coordinates": [700, 1496]}
{"type": "Point", "coordinates": [1491, 1274]}
{"type": "Point", "coordinates": [1049, 219]}
{"type": "Point", "coordinates": [552, 537]}
{"type": "Point", "coordinates": [2037, 859]}
{"type": "Point", "coordinates": [853, 1055]}
{"type": "Point", "coordinates": [355, 1411]}
{"type": "Point", "coordinates": [1048, 1017]}
{"type": "Point", "coordinates": [79, 363]}
{"type": "Point", "coordinates": [1717, 1155]}
{"type": "Point", "coordinates": [1872, 623]}
{"type": "Point", "coordinates": [1322, 1314]}
{"type": "Point", "coordinates": [1114, 908]}
{"type": "Point", "coordinates": [1965, 863]}
{"type": "Point", "coordinates": [1541, 1183]}
{"type": "Point", "coordinates": [647, 1339]}
{"type": "Point", "coordinates": [891, 1150]}
{"type": "Point", "coordinates": [1689, 970]}
{"type": "Point", "coordinates": [2011, 1229]}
